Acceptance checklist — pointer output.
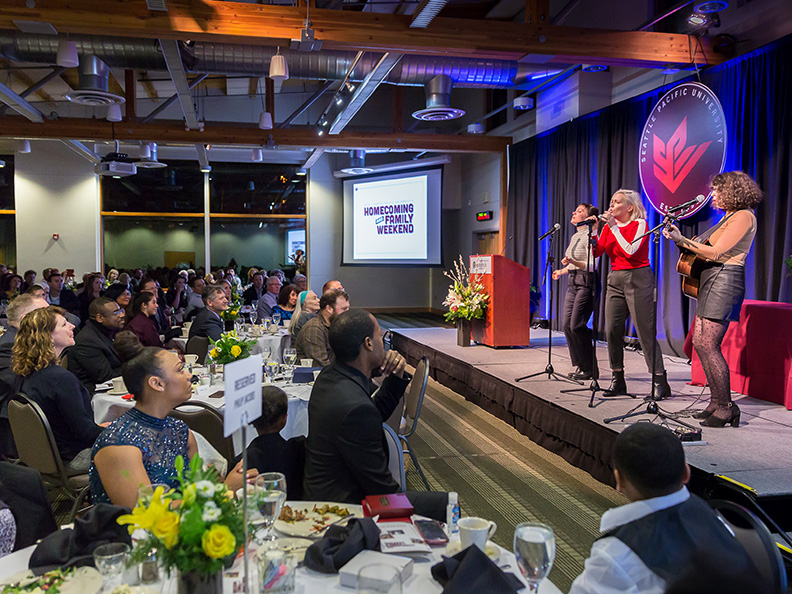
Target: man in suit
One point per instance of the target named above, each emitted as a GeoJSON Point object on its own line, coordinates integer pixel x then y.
{"type": "Point", "coordinates": [93, 358]}
{"type": "Point", "coordinates": [208, 321]}
{"type": "Point", "coordinates": [346, 456]}
{"type": "Point", "coordinates": [256, 291]}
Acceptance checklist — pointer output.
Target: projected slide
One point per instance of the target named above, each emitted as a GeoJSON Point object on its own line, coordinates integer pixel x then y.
{"type": "Point", "coordinates": [390, 219]}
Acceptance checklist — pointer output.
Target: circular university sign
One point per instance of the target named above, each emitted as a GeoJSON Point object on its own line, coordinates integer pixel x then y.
{"type": "Point", "coordinates": [683, 145]}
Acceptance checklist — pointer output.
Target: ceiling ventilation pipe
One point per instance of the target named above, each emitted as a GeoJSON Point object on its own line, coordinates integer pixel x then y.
{"type": "Point", "coordinates": [438, 101]}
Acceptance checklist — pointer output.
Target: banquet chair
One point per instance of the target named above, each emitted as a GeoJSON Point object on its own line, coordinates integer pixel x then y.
{"type": "Point", "coordinates": [208, 421]}
{"type": "Point", "coordinates": [23, 491]}
{"type": "Point", "coordinates": [395, 457]}
{"type": "Point", "coordinates": [413, 402]}
{"type": "Point", "coordinates": [757, 540]}
{"type": "Point", "coordinates": [198, 345]}
{"type": "Point", "coordinates": [37, 449]}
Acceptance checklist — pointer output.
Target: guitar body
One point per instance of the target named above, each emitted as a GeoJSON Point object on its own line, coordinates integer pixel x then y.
{"type": "Point", "coordinates": [690, 266]}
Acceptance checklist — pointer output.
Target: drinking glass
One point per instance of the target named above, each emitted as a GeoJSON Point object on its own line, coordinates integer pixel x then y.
{"type": "Point", "coordinates": [270, 494]}
{"type": "Point", "coordinates": [289, 358]}
{"type": "Point", "coordinates": [110, 561]}
{"type": "Point", "coordinates": [534, 547]}
{"type": "Point", "coordinates": [254, 306]}
{"type": "Point", "coordinates": [379, 578]}
{"type": "Point", "coordinates": [266, 353]}
{"type": "Point", "coordinates": [276, 319]}
{"type": "Point", "coordinates": [267, 322]}
{"type": "Point", "coordinates": [239, 324]}
{"type": "Point", "coordinates": [145, 492]}
{"type": "Point", "coordinates": [272, 369]}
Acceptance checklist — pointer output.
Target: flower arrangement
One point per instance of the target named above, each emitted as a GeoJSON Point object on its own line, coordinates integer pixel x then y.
{"type": "Point", "coordinates": [234, 304]}
{"type": "Point", "coordinates": [466, 299]}
{"type": "Point", "coordinates": [230, 348]}
{"type": "Point", "coordinates": [193, 528]}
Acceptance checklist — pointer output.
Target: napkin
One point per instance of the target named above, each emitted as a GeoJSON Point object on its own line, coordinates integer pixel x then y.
{"type": "Point", "coordinates": [304, 375]}
{"type": "Point", "coordinates": [341, 544]}
{"type": "Point", "coordinates": [471, 571]}
{"type": "Point", "coordinates": [74, 547]}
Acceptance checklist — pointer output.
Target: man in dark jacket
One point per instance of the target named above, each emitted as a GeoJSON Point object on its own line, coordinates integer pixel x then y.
{"type": "Point", "coordinates": [255, 291]}
{"type": "Point", "coordinates": [208, 321]}
{"type": "Point", "coordinates": [93, 358]}
{"type": "Point", "coordinates": [61, 297]}
{"type": "Point", "coordinates": [346, 456]}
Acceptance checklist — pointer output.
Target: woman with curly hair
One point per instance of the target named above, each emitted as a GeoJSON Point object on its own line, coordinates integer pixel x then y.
{"type": "Point", "coordinates": [287, 301]}
{"type": "Point", "coordinates": [722, 285]}
{"type": "Point", "coordinates": [43, 335]}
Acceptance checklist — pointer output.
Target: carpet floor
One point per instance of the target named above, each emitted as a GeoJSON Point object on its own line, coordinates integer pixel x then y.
{"type": "Point", "coordinates": [503, 476]}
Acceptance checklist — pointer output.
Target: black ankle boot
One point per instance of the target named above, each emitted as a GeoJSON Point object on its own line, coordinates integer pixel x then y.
{"type": "Point", "coordinates": [660, 388]}
{"type": "Point", "coordinates": [618, 387]}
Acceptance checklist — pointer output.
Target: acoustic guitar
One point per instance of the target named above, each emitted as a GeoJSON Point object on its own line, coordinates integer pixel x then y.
{"type": "Point", "coordinates": [690, 266]}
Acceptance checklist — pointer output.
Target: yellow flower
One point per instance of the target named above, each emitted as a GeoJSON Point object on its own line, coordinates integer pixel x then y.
{"type": "Point", "coordinates": [166, 528]}
{"type": "Point", "coordinates": [214, 354]}
{"type": "Point", "coordinates": [189, 494]}
{"type": "Point", "coordinates": [218, 542]}
{"type": "Point", "coordinates": [236, 351]}
{"type": "Point", "coordinates": [145, 517]}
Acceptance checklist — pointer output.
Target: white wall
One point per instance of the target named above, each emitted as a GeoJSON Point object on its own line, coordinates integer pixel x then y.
{"type": "Point", "coordinates": [56, 191]}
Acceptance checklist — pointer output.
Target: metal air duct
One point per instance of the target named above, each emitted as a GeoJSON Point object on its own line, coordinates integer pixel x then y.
{"type": "Point", "coordinates": [94, 76]}
{"type": "Point", "coordinates": [438, 101]}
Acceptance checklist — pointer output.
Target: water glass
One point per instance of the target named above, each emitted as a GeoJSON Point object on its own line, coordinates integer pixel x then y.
{"type": "Point", "coordinates": [254, 307]}
{"type": "Point", "coordinates": [239, 325]}
{"type": "Point", "coordinates": [534, 548]}
{"type": "Point", "coordinates": [276, 319]}
{"type": "Point", "coordinates": [146, 492]}
{"type": "Point", "coordinates": [290, 359]}
{"type": "Point", "coordinates": [267, 322]}
{"type": "Point", "coordinates": [272, 369]}
{"type": "Point", "coordinates": [110, 561]}
{"type": "Point", "coordinates": [266, 353]}
{"type": "Point", "coordinates": [379, 578]}
{"type": "Point", "coordinates": [270, 495]}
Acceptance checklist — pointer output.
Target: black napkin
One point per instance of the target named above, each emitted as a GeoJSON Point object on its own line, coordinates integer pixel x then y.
{"type": "Point", "coordinates": [75, 547]}
{"type": "Point", "coordinates": [341, 543]}
{"type": "Point", "coordinates": [471, 571]}
{"type": "Point", "coordinates": [304, 375]}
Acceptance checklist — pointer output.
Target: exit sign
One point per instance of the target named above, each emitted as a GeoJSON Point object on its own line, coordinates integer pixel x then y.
{"type": "Point", "coordinates": [484, 216]}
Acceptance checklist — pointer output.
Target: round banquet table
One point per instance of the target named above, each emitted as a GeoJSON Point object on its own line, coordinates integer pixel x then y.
{"type": "Point", "coordinates": [275, 342]}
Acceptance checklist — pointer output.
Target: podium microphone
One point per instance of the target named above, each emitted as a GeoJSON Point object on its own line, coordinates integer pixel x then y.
{"type": "Point", "coordinates": [697, 200]}
{"type": "Point", "coordinates": [586, 223]}
{"type": "Point", "coordinates": [552, 230]}
{"type": "Point", "coordinates": [505, 243]}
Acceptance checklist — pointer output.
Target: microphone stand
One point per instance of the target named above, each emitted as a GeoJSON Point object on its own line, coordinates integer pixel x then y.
{"type": "Point", "coordinates": [551, 374]}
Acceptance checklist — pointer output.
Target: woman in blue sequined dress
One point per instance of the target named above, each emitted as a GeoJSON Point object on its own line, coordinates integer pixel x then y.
{"type": "Point", "coordinates": [141, 446]}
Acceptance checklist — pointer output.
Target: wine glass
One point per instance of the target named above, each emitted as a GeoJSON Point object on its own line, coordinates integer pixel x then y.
{"type": "Point", "coordinates": [270, 494]}
{"type": "Point", "coordinates": [146, 492]}
{"type": "Point", "coordinates": [110, 561]}
{"type": "Point", "coordinates": [276, 318]}
{"type": "Point", "coordinates": [289, 358]}
{"type": "Point", "coordinates": [266, 353]}
{"type": "Point", "coordinates": [239, 324]}
{"type": "Point", "coordinates": [272, 370]}
{"type": "Point", "coordinates": [267, 323]}
{"type": "Point", "coordinates": [534, 548]}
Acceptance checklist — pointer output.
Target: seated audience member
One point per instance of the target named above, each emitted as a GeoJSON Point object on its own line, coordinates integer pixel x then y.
{"type": "Point", "coordinates": [226, 286]}
{"type": "Point", "coordinates": [93, 358]}
{"type": "Point", "coordinates": [233, 279]}
{"type": "Point", "coordinates": [270, 298]}
{"type": "Point", "coordinates": [287, 301]}
{"type": "Point", "coordinates": [251, 271]}
{"type": "Point", "coordinates": [29, 279]}
{"type": "Point", "coordinates": [195, 300]}
{"type": "Point", "coordinates": [142, 323]}
{"type": "Point", "coordinates": [7, 530]}
{"type": "Point", "coordinates": [125, 280]}
{"type": "Point", "coordinates": [301, 281]}
{"type": "Point", "coordinates": [255, 291]}
{"type": "Point", "coordinates": [127, 345]}
{"type": "Point", "coordinates": [64, 298]}
{"type": "Point", "coordinates": [121, 294]}
{"type": "Point", "coordinates": [346, 456]}
{"type": "Point", "coordinates": [17, 309]}
{"type": "Point", "coordinates": [140, 447]}
{"type": "Point", "coordinates": [137, 276]}
{"type": "Point", "coordinates": [112, 277]}
{"type": "Point", "coordinates": [654, 539]}
{"type": "Point", "coordinates": [92, 289]}
{"type": "Point", "coordinates": [208, 321]}
{"type": "Point", "coordinates": [332, 285]}
{"type": "Point", "coordinates": [312, 341]}
{"type": "Point", "coordinates": [39, 289]}
{"type": "Point", "coordinates": [10, 286]}
{"type": "Point", "coordinates": [269, 452]}
{"type": "Point", "coordinates": [307, 307]}
{"type": "Point", "coordinates": [176, 297]}
{"type": "Point", "coordinates": [161, 319]}
{"type": "Point", "coordinates": [42, 337]}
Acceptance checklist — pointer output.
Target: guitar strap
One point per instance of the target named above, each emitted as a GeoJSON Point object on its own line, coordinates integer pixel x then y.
{"type": "Point", "coordinates": [708, 233]}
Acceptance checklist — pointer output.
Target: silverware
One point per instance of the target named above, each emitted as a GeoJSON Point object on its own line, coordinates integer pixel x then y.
{"type": "Point", "coordinates": [338, 521]}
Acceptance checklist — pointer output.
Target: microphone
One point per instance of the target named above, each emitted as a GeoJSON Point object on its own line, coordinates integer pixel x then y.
{"type": "Point", "coordinates": [586, 223]}
{"type": "Point", "coordinates": [505, 243]}
{"type": "Point", "coordinates": [552, 230]}
{"type": "Point", "coordinates": [697, 200]}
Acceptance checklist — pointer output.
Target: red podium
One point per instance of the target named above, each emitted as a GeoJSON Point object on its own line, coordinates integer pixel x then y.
{"type": "Point", "coordinates": [508, 318]}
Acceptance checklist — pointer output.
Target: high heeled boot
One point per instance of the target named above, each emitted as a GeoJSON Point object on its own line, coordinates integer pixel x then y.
{"type": "Point", "coordinates": [660, 388]}
{"type": "Point", "coordinates": [618, 387]}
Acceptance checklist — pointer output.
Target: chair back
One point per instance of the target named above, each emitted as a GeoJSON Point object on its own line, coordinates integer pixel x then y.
{"type": "Point", "coordinates": [757, 540]}
{"type": "Point", "coordinates": [395, 457]}
{"type": "Point", "coordinates": [198, 345]}
{"type": "Point", "coordinates": [208, 421]}
{"type": "Point", "coordinates": [33, 437]}
{"type": "Point", "coordinates": [413, 400]}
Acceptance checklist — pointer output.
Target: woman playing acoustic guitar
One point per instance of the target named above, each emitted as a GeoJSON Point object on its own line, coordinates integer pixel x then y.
{"type": "Point", "coordinates": [722, 285]}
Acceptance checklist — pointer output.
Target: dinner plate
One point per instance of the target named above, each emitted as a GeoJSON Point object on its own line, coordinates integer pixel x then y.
{"type": "Point", "coordinates": [85, 580]}
{"type": "Point", "coordinates": [454, 546]}
{"type": "Point", "coordinates": [307, 528]}
{"type": "Point", "coordinates": [295, 547]}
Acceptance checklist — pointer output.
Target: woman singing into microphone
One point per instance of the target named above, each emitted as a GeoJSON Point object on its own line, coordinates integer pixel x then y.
{"type": "Point", "coordinates": [722, 285]}
{"type": "Point", "coordinates": [630, 290]}
{"type": "Point", "coordinates": [578, 263]}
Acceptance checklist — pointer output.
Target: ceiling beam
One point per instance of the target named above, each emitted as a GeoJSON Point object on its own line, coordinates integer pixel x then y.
{"type": "Point", "coordinates": [173, 60]}
{"type": "Point", "coordinates": [20, 105]}
{"type": "Point", "coordinates": [23, 78]}
{"type": "Point", "coordinates": [237, 22]}
{"type": "Point", "coordinates": [165, 104]}
{"type": "Point", "coordinates": [82, 150]}
{"type": "Point", "coordinates": [311, 161]}
{"type": "Point", "coordinates": [174, 132]}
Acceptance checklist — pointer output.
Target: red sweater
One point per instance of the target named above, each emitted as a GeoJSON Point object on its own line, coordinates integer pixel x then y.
{"type": "Point", "coordinates": [145, 329]}
{"type": "Point", "coordinates": [616, 243]}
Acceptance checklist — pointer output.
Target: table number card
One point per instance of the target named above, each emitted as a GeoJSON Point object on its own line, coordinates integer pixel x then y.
{"type": "Point", "coordinates": [242, 393]}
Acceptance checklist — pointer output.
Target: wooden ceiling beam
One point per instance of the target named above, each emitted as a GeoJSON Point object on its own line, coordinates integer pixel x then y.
{"type": "Point", "coordinates": [163, 132]}
{"type": "Point", "coordinates": [236, 22]}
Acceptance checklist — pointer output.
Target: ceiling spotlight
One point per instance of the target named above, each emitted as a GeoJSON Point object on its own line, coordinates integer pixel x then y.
{"type": "Point", "coordinates": [23, 146]}
{"type": "Point", "coordinates": [67, 54]}
{"type": "Point", "coordinates": [710, 7]}
{"type": "Point", "coordinates": [279, 69]}
{"type": "Point", "coordinates": [265, 121]}
{"type": "Point", "coordinates": [113, 113]}
{"type": "Point", "coordinates": [350, 87]}
{"type": "Point", "coordinates": [302, 171]}
{"type": "Point", "coordinates": [339, 100]}
{"type": "Point", "coordinates": [320, 132]}
{"type": "Point", "coordinates": [523, 103]}
{"type": "Point", "coordinates": [2, 163]}
{"type": "Point", "coordinates": [257, 155]}
{"type": "Point", "coordinates": [206, 169]}
{"type": "Point", "coordinates": [701, 21]}
{"type": "Point", "coordinates": [594, 67]}
{"type": "Point", "coordinates": [323, 122]}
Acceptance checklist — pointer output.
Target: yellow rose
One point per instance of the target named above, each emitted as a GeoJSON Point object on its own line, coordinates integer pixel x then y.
{"type": "Point", "coordinates": [189, 494]}
{"type": "Point", "coordinates": [166, 528]}
{"type": "Point", "coordinates": [236, 351]}
{"type": "Point", "coordinates": [214, 354]}
{"type": "Point", "coordinates": [218, 542]}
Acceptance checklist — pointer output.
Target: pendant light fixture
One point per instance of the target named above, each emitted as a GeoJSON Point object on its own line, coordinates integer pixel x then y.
{"type": "Point", "coordinates": [279, 69]}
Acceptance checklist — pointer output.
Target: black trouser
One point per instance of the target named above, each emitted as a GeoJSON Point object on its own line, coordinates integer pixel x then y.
{"type": "Point", "coordinates": [578, 305]}
{"type": "Point", "coordinates": [631, 292]}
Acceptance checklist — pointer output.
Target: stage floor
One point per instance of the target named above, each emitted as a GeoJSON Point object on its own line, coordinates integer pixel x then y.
{"type": "Point", "coordinates": [755, 454]}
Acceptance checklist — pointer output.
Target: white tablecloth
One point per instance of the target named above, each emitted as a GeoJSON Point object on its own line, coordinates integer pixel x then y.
{"type": "Point", "coordinates": [275, 342]}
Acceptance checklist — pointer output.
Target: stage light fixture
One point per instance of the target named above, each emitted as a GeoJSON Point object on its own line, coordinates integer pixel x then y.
{"type": "Point", "coordinates": [710, 7]}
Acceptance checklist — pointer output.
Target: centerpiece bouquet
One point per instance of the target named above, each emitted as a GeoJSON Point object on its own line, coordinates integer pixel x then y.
{"type": "Point", "coordinates": [466, 299]}
{"type": "Point", "coordinates": [230, 347]}
{"type": "Point", "coordinates": [196, 528]}
{"type": "Point", "coordinates": [234, 305]}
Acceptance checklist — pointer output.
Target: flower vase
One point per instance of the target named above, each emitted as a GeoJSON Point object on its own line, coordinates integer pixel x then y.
{"type": "Point", "coordinates": [228, 325]}
{"type": "Point", "coordinates": [196, 582]}
{"type": "Point", "coordinates": [463, 332]}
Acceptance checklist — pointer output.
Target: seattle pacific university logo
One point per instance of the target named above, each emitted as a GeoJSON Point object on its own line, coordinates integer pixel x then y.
{"type": "Point", "coordinates": [673, 161]}
{"type": "Point", "coordinates": [683, 145]}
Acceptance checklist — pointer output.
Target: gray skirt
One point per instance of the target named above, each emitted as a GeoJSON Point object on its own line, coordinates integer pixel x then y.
{"type": "Point", "coordinates": [721, 293]}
